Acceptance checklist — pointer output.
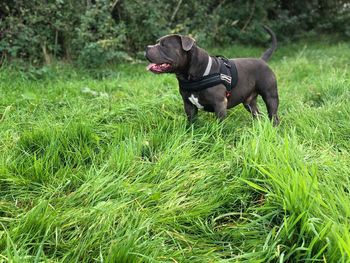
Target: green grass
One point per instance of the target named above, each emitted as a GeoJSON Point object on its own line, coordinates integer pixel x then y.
{"type": "Point", "coordinates": [119, 177]}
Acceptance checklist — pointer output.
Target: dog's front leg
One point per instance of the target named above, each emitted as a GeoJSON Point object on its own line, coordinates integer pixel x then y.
{"type": "Point", "coordinates": [220, 109]}
{"type": "Point", "coordinates": [191, 111]}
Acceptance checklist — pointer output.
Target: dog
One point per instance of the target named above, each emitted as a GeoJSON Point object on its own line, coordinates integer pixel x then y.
{"type": "Point", "coordinates": [216, 84]}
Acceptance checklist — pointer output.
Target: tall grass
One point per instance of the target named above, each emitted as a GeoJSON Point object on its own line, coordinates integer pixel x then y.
{"type": "Point", "coordinates": [118, 176]}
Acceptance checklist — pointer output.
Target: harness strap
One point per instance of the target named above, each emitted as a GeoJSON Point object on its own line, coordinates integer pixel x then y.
{"type": "Point", "coordinates": [204, 83]}
{"type": "Point", "coordinates": [227, 76]}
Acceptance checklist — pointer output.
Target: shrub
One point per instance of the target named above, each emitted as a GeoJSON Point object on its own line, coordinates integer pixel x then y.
{"type": "Point", "coordinates": [96, 32]}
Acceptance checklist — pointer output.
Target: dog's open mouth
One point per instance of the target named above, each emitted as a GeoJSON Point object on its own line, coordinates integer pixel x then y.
{"type": "Point", "coordinates": [159, 68]}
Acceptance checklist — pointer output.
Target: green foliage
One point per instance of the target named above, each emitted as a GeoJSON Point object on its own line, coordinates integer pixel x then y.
{"type": "Point", "coordinates": [96, 32]}
{"type": "Point", "coordinates": [67, 29]}
{"type": "Point", "coordinates": [98, 38]}
{"type": "Point", "coordinates": [116, 175]}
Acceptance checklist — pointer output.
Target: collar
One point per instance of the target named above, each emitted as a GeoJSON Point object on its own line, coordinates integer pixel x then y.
{"type": "Point", "coordinates": [207, 70]}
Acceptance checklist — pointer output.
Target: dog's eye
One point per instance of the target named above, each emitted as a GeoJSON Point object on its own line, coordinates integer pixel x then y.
{"type": "Point", "coordinates": [163, 44]}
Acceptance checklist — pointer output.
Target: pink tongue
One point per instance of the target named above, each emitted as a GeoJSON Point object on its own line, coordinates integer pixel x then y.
{"type": "Point", "coordinates": [158, 68]}
{"type": "Point", "coordinates": [150, 66]}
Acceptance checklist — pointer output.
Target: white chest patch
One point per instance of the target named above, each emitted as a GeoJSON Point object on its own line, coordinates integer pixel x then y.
{"type": "Point", "coordinates": [195, 101]}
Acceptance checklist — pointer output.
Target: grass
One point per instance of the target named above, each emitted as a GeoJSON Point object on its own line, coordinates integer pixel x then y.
{"type": "Point", "coordinates": [117, 176]}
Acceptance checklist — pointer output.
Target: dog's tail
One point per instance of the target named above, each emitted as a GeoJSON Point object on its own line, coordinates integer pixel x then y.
{"type": "Point", "coordinates": [268, 53]}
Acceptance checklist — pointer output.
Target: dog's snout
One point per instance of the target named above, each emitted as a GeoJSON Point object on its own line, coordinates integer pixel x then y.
{"type": "Point", "coordinates": [147, 49]}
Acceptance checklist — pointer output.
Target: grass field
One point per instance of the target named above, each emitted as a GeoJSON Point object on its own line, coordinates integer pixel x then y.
{"type": "Point", "coordinates": [101, 166]}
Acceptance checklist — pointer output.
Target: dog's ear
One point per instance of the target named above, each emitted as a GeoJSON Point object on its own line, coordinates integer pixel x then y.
{"type": "Point", "coordinates": [187, 42]}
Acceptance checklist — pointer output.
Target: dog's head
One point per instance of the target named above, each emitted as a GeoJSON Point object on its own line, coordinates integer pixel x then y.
{"type": "Point", "coordinates": [169, 54]}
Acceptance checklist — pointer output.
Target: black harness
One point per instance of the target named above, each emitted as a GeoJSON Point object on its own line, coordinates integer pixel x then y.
{"type": "Point", "coordinates": [228, 76]}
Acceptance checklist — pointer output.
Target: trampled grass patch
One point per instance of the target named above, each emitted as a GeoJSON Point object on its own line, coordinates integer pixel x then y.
{"type": "Point", "coordinates": [102, 166]}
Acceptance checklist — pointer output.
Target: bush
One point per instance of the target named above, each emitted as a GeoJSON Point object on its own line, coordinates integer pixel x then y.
{"type": "Point", "coordinates": [76, 31]}
{"type": "Point", "coordinates": [96, 32]}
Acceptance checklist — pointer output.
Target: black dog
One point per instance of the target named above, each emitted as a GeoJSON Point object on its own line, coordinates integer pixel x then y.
{"type": "Point", "coordinates": [213, 83]}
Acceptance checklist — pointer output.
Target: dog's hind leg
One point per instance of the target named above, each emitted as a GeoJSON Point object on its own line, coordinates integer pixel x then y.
{"type": "Point", "coordinates": [272, 102]}
{"type": "Point", "coordinates": [267, 88]}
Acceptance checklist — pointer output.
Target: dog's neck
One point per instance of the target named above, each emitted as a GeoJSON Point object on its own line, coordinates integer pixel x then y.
{"type": "Point", "coordinates": [198, 63]}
